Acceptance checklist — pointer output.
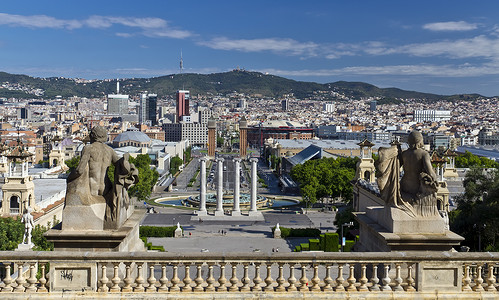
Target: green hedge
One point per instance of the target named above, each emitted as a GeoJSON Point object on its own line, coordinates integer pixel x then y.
{"type": "Point", "coordinates": [154, 231]}
{"type": "Point", "coordinates": [314, 245]}
{"type": "Point", "coordinates": [331, 242]}
{"type": "Point", "coordinates": [298, 248]}
{"type": "Point", "coordinates": [348, 246]}
{"type": "Point", "coordinates": [304, 247]}
{"type": "Point", "coordinates": [150, 246]}
{"type": "Point", "coordinates": [298, 232]}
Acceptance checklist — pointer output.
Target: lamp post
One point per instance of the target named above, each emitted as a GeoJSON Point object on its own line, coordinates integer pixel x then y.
{"type": "Point", "coordinates": [343, 225]}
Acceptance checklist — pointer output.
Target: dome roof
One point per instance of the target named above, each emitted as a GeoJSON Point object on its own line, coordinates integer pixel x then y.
{"type": "Point", "coordinates": [136, 136]}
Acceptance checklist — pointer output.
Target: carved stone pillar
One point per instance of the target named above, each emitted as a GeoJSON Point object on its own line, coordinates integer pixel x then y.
{"type": "Point", "coordinates": [220, 174]}
{"type": "Point", "coordinates": [237, 180]}
{"type": "Point", "coordinates": [202, 188]}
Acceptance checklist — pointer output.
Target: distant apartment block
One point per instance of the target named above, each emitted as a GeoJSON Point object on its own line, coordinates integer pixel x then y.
{"type": "Point", "coordinates": [147, 108]}
{"type": "Point", "coordinates": [117, 104]}
{"type": "Point", "coordinates": [285, 105]}
{"type": "Point", "coordinates": [196, 133]}
{"type": "Point", "coordinates": [488, 137]}
{"type": "Point", "coordinates": [328, 107]}
{"type": "Point", "coordinates": [431, 115]}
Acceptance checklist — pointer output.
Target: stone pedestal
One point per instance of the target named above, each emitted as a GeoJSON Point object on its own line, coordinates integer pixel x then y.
{"type": "Point", "coordinates": [25, 247]}
{"type": "Point", "coordinates": [391, 229]}
{"type": "Point", "coordinates": [125, 239]}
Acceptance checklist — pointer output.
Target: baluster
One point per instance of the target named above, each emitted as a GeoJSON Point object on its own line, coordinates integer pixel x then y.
{"type": "Point", "coordinates": [246, 280]}
{"type": "Point", "coordinates": [222, 280]}
{"type": "Point", "coordinates": [291, 278]}
{"type": "Point", "coordinates": [43, 280]}
{"type": "Point", "coordinates": [398, 279]}
{"type": "Point", "coordinates": [175, 280]}
{"type": "Point", "coordinates": [151, 280]}
{"type": "Point", "coordinates": [386, 280]}
{"type": "Point", "coordinates": [233, 279]}
{"type": "Point", "coordinates": [139, 280]}
{"type": "Point", "coordinates": [491, 279]}
{"type": "Point", "coordinates": [363, 279]}
{"type": "Point", "coordinates": [187, 279]}
{"type": "Point", "coordinates": [199, 279]}
{"type": "Point", "coordinates": [280, 279]}
{"type": "Point", "coordinates": [328, 280]}
{"type": "Point", "coordinates": [103, 279]}
{"type": "Point", "coordinates": [467, 278]}
{"type": "Point", "coordinates": [128, 278]}
{"type": "Point", "coordinates": [375, 280]}
{"type": "Point", "coordinates": [210, 280]}
{"type": "Point", "coordinates": [410, 279]}
{"type": "Point", "coordinates": [32, 278]}
{"type": "Point", "coordinates": [20, 278]}
{"type": "Point", "coordinates": [116, 278]}
{"type": "Point", "coordinates": [268, 280]}
{"type": "Point", "coordinates": [7, 280]}
{"type": "Point", "coordinates": [351, 279]}
{"type": "Point", "coordinates": [257, 279]}
{"type": "Point", "coordinates": [303, 280]}
{"type": "Point", "coordinates": [163, 280]}
{"type": "Point", "coordinates": [478, 280]}
{"type": "Point", "coordinates": [315, 280]}
{"type": "Point", "coordinates": [340, 279]}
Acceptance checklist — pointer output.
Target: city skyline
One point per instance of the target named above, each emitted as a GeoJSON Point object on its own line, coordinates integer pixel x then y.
{"type": "Point", "coordinates": [444, 47]}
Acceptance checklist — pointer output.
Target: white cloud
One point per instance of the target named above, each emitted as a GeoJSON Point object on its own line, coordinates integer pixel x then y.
{"type": "Point", "coordinates": [280, 45]}
{"type": "Point", "coordinates": [152, 27]}
{"type": "Point", "coordinates": [450, 26]}
{"type": "Point", "coordinates": [464, 70]}
{"type": "Point", "coordinates": [38, 21]}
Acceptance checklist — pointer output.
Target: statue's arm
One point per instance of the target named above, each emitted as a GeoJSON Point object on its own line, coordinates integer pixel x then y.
{"type": "Point", "coordinates": [428, 167]}
{"type": "Point", "coordinates": [85, 157]}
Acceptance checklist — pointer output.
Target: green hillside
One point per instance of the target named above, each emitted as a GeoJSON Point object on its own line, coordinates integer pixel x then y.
{"type": "Point", "coordinates": [251, 83]}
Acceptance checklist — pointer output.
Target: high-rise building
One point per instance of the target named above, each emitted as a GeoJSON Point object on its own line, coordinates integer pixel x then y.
{"type": "Point", "coordinates": [328, 107]}
{"type": "Point", "coordinates": [24, 113]}
{"type": "Point", "coordinates": [182, 104]}
{"type": "Point", "coordinates": [147, 108]}
{"type": "Point", "coordinates": [117, 104]}
{"type": "Point", "coordinates": [432, 115]}
{"type": "Point", "coordinates": [285, 104]}
{"type": "Point", "coordinates": [372, 105]}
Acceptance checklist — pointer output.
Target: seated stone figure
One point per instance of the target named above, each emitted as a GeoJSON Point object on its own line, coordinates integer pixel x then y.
{"type": "Point", "coordinates": [415, 193]}
{"type": "Point", "coordinates": [93, 202]}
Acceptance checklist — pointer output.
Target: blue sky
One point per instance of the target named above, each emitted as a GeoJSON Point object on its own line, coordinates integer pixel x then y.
{"type": "Point", "coordinates": [443, 47]}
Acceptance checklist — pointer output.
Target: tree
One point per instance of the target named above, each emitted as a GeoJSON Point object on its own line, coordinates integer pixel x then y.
{"type": "Point", "coordinates": [469, 160]}
{"type": "Point", "coordinates": [187, 154]}
{"type": "Point", "coordinates": [326, 177]}
{"type": "Point", "coordinates": [72, 163]}
{"type": "Point", "coordinates": [477, 209]}
{"type": "Point", "coordinates": [12, 233]}
{"type": "Point", "coordinates": [147, 177]}
{"type": "Point", "coordinates": [220, 141]}
{"type": "Point", "coordinates": [175, 164]}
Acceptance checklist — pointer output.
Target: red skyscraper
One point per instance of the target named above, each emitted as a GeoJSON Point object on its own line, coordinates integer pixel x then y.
{"type": "Point", "coordinates": [182, 104]}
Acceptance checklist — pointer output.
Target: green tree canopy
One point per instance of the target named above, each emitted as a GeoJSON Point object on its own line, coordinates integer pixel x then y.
{"type": "Point", "coordinates": [477, 210]}
{"type": "Point", "coordinates": [469, 160]}
{"type": "Point", "coordinates": [147, 177]}
{"type": "Point", "coordinates": [326, 177]}
{"type": "Point", "coordinates": [175, 164]}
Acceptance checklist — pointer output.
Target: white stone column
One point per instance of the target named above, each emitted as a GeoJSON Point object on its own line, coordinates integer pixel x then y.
{"type": "Point", "coordinates": [253, 186]}
{"type": "Point", "coordinates": [202, 187]}
{"type": "Point", "coordinates": [236, 211]}
{"type": "Point", "coordinates": [220, 175]}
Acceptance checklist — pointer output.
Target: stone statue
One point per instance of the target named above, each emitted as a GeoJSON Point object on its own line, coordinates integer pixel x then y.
{"type": "Point", "coordinates": [92, 200]}
{"type": "Point", "coordinates": [415, 193]}
{"type": "Point", "coordinates": [27, 219]}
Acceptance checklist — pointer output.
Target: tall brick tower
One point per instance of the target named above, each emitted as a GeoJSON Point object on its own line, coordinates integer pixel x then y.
{"type": "Point", "coordinates": [243, 137]}
{"type": "Point", "coordinates": [212, 141]}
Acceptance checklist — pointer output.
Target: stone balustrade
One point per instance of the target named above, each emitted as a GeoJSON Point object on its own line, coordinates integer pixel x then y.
{"type": "Point", "coordinates": [326, 275]}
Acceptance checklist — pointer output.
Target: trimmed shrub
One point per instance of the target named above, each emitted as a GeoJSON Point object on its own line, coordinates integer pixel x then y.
{"type": "Point", "coordinates": [298, 248]}
{"type": "Point", "coordinates": [298, 232]}
{"type": "Point", "coordinates": [155, 231]}
{"type": "Point", "coordinates": [314, 244]}
{"type": "Point", "coordinates": [305, 247]}
{"type": "Point", "coordinates": [322, 244]}
{"type": "Point", "coordinates": [331, 242]}
{"type": "Point", "coordinates": [348, 245]}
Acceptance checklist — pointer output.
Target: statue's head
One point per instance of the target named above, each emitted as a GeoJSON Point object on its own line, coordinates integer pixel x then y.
{"type": "Point", "coordinates": [415, 140]}
{"type": "Point", "coordinates": [98, 134]}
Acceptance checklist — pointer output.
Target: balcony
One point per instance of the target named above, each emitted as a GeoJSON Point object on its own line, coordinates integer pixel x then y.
{"type": "Point", "coordinates": [250, 275]}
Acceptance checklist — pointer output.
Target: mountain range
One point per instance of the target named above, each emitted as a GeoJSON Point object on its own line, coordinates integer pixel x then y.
{"type": "Point", "coordinates": [241, 81]}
